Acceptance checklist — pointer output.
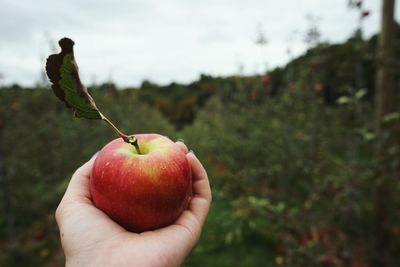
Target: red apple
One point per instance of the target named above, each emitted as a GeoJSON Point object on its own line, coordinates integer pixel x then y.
{"type": "Point", "coordinates": [142, 191]}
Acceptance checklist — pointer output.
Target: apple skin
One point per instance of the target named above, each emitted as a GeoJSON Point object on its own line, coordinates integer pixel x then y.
{"type": "Point", "coordinates": [145, 191]}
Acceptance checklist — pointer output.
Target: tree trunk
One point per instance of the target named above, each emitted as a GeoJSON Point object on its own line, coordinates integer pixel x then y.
{"type": "Point", "coordinates": [385, 104]}
{"type": "Point", "coordinates": [385, 80]}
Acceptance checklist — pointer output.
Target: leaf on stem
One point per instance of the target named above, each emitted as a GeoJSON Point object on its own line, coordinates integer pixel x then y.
{"type": "Point", "coordinates": [62, 71]}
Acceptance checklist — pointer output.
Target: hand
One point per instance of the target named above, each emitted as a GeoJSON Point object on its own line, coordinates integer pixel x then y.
{"type": "Point", "coordinates": [90, 238]}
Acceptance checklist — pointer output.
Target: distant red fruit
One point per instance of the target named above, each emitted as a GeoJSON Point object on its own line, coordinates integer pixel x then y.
{"type": "Point", "coordinates": [39, 235]}
{"type": "Point", "coordinates": [316, 234]}
{"type": "Point", "coordinates": [365, 13]}
{"type": "Point", "coordinates": [318, 87]}
{"type": "Point", "coordinates": [265, 80]}
{"type": "Point", "coordinates": [305, 241]}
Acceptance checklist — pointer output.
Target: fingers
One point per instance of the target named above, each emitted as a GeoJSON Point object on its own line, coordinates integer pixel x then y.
{"type": "Point", "coordinates": [78, 188]}
{"type": "Point", "coordinates": [182, 146]}
{"type": "Point", "coordinates": [192, 220]}
{"type": "Point", "coordinates": [201, 185]}
{"type": "Point", "coordinates": [201, 201]}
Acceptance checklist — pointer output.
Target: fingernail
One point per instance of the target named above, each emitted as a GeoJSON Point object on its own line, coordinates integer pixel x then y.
{"type": "Point", "coordinates": [191, 151]}
{"type": "Point", "coordinates": [180, 140]}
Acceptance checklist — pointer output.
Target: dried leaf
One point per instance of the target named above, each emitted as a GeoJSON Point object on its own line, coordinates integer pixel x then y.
{"type": "Point", "coordinates": [62, 71]}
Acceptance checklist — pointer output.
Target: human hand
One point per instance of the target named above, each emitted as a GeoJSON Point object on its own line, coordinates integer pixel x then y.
{"type": "Point", "coordinates": [90, 238]}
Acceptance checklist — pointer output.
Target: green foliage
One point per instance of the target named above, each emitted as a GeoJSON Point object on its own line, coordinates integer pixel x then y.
{"type": "Point", "coordinates": [291, 176]}
{"type": "Point", "coordinates": [41, 145]}
{"type": "Point", "coordinates": [289, 155]}
{"type": "Point", "coordinates": [296, 173]}
{"type": "Point", "coordinates": [178, 103]}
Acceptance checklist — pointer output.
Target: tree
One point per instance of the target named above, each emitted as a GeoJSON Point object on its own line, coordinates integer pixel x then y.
{"type": "Point", "coordinates": [385, 105]}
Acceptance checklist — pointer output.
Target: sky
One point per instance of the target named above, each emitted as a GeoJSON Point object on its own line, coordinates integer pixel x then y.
{"type": "Point", "coordinates": [128, 41]}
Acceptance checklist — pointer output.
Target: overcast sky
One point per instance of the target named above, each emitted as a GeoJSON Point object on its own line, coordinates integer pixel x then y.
{"type": "Point", "coordinates": [165, 41]}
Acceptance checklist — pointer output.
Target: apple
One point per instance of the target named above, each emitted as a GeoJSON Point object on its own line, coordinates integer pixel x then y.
{"type": "Point", "coordinates": [141, 191]}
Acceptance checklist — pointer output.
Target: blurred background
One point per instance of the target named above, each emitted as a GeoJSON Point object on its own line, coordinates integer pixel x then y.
{"type": "Point", "coordinates": [292, 106]}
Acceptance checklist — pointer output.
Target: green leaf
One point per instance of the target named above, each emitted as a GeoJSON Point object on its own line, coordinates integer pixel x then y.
{"type": "Point", "coordinates": [367, 135]}
{"type": "Point", "coordinates": [343, 100]}
{"type": "Point", "coordinates": [360, 93]}
{"type": "Point", "coordinates": [391, 117]}
{"type": "Point", "coordinates": [62, 71]}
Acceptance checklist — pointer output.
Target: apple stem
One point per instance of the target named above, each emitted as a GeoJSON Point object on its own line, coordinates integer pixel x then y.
{"type": "Point", "coordinates": [131, 139]}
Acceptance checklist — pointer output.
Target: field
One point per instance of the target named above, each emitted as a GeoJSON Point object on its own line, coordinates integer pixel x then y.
{"type": "Point", "coordinates": [291, 157]}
